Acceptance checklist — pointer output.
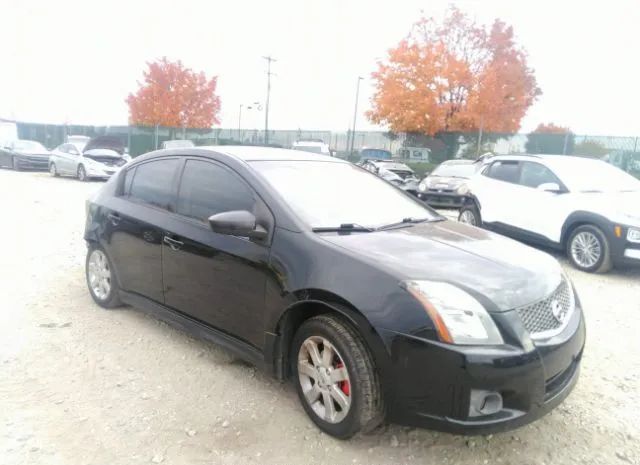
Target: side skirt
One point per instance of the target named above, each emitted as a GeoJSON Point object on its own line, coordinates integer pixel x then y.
{"type": "Point", "coordinates": [243, 350]}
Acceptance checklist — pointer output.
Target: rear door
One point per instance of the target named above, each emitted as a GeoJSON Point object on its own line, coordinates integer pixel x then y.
{"type": "Point", "coordinates": [136, 222]}
{"type": "Point", "coordinates": [215, 278]}
{"type": "Point", "coordinates": [498, 192]}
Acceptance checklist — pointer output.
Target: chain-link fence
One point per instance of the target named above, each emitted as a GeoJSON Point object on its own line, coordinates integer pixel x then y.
{"type": "Point", "coordinates": [623, 152]}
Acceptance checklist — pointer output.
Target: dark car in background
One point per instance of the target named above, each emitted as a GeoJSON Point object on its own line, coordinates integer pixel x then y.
{"type": "Point", "coordinates": [376, 307]}
{"type": "Point", "coordinates": [24, 154]}
{"type": "Point", "coordinates": [375, 154]}
{"type": "Point", "coordinates": [445, 186]}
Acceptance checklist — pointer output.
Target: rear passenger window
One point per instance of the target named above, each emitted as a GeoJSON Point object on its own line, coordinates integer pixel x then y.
{"type": "Point", "coordinates": [508, 171]}
{"type": "Point", "coordinates": [152, 182]}
{"type": "Point", "coordinates": [207, 188]}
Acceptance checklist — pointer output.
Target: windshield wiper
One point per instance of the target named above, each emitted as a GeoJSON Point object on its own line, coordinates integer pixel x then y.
{"type": "Point", "coordinates": [344, 227]}
{"type": "Point", "coordinates": [406, 222]}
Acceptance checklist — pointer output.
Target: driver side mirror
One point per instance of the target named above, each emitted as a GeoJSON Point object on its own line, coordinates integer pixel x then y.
{"type": "Point", "coordinates": [237, 223]}
{"type": "Point", "coordinates": [550, 187]}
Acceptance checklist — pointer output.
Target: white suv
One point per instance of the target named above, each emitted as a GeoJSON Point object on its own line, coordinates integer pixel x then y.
{"type": "Point", "coordinates": [585, 207]}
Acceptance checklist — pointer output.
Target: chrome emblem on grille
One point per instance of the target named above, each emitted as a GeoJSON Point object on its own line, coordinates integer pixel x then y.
{"type": "Point", "coordinates": [559, 312]}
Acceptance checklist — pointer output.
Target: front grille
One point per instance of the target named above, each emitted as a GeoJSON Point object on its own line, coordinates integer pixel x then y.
{"type": "Point", "coordinates": [539, 318]}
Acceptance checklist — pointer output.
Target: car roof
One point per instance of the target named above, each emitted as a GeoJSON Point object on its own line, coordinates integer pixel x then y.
{"type": "Point", "coordinates": [249, 153]}
{"type": "Point", "coordinates": [458, 162]}
{"type": "Point", "coordinates": [545, 158]}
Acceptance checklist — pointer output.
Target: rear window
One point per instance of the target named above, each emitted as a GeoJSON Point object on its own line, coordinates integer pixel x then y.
{"type": "Point", "coordinates": [152, 182]}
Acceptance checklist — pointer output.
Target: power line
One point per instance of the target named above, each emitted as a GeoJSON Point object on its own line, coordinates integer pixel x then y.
{"type": "Point", "coordinates": [266, 107]}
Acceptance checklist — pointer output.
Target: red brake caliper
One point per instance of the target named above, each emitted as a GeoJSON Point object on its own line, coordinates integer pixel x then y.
{"type": "Point", "coordinates": [344, 385]}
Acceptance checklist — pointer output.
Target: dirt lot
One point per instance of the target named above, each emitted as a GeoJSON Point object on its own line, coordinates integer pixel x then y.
{"type": "Point", "coordinates": [81, 385]}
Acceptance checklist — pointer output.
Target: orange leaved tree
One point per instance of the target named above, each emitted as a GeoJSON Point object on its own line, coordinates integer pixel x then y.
{"type": "Point", "coordinates": [173, 95]}
{"type": "Point", "coordinates": [454, 76]}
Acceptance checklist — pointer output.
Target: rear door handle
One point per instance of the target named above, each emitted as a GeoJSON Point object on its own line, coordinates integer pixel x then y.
{"type": "Point", "coordinates": [174, 244]}
{"type": "Point", "coordinates": [114, 218]}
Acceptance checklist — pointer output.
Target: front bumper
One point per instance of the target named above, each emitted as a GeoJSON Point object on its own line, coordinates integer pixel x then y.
{"type": "Point", "coordinates": [441, 199]}
{"type": "Point", "coordinates": [101, 173]}
{"type": "Point", "coordinates": [624, 252]}
{"type": "Point", "coordinates": [433, 382]}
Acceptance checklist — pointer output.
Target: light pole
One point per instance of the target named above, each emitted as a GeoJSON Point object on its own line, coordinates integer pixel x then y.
{"type": "Point", "coordinates": [240, 123]}
{"type": "Point", "coordinates": [266, 106]}
{"type": "Point", "coordinates": [355, 115]}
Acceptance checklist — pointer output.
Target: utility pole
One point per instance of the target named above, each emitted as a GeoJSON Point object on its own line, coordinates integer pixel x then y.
{"type": "Point", "coordinates": [239, 123]}
{"type": "Point", "coordinates": [355, 115]}
{"type": "Point", "coordinates": [266, 108]}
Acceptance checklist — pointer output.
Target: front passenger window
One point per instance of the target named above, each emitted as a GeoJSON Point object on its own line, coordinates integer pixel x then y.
{"type": "Point", "coordinates": [207, 188]}
{"type": "Point", "coordinates": [535, 174]}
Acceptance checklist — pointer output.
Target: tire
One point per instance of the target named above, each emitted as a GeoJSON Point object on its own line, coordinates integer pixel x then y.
{"type": "Point", "coordinates": [107, 296]}
{"type": "Point", "coordinates": [361, 386]}
{"type": "Point", "coordinates": [470, 214]}
{"type": "Point", "coordinates": [82, 174]}
{"type": "Point", "coordinates": [594, 240]}
{"type": "Point", "coordinates": [15, 165]}
{"type": "Point", "coordinates": [53, 171]}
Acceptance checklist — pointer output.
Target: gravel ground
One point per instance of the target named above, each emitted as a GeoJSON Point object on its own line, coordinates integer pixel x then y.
{"type": "Point", "coordinates": [81, 385]}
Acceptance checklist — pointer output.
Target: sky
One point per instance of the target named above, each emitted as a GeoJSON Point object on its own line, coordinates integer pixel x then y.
{"type": "Point", "coordinates": [76, 61]}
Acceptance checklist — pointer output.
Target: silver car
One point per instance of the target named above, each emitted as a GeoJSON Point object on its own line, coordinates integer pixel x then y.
{"type": "Point", "coordinates": [396, 173]}
{"type": "Point", "coordinates": [99, 158]}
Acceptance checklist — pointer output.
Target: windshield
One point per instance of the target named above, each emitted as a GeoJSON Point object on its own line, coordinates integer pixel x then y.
{"type": "Point", "coordinates": [583, 175]}
{"type": "Point", "coordinates": [176, 144]}
{"type": "Point", "coordinates": [325, 194]}
{"type": "Point", "coordinates": [455, 170]}
{"type": "Point", "coordinates": [310, 148]}
{"type": "Point", "coordinates": [29, 146]}
{"type": "Point", "coordinates": [376, 153]}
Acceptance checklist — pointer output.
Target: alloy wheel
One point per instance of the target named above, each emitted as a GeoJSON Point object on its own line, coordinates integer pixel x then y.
{"type": "Point", "coordinates": [52, 170]}
{"type": "Point", "coordinates": [324, 379]}
{"type": "Point", "coordinates": [99, 274]}
{"type": "Point", "coordinates": [468, 217]}
{"type": "Point", "coordinates": [586, 249]}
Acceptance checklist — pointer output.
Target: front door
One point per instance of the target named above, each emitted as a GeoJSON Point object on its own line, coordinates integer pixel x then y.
{"type": "Point", "coordinates": [215, 278]}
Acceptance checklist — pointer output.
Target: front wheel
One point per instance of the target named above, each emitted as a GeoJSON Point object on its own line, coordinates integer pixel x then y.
{"type": "Point", "coordinates": [53, 171]}
{"type": "Point", "coordinates": [101, 279]}
{"type": "Point", "coordinates": [470, 214]}
{"type": "Point", "coordinates": [335, 377]}
{"type": "Point", "coordinates": [82, 174]}
{"type": "Point", "coordinates": [588, 249]}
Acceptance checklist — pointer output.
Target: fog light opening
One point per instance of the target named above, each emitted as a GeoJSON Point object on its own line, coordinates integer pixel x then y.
{"type": "Point", "coordinates": [484, 403]}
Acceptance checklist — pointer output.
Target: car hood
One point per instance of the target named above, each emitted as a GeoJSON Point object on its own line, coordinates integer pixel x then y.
{"type": "Point", "coordinates": [38, 154]}
{"type": "Point", "coordinates": [446, 181]}
{"type": "Point", "coordinates": [490, 267]}
{"type": "Point", "coordinates": [613, 205]}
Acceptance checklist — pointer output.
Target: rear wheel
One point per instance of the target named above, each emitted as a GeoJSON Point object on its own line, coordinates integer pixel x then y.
{"type": "Point", "coordinates": [335, 377]}
{"type": "Point", "coordinates": [101, 280]}
{"type": "Point", "coordinates": [82, 174]}
{"type": "Point", "coordinates": [588, 249]}
{"type": "Point", "coordinates": [470, 214]}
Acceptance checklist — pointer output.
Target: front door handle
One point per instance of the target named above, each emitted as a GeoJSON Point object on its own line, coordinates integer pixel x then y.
{"type": "Point", "coordinates": [114, 218]}
{"type": "Point", "coordinates": [174, 244]}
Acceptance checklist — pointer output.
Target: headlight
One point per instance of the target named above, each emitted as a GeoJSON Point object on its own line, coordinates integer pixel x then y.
{"type": "Point", "coordinates": [462, 190]}
{"type": "Point", "coordinates": [458, 317]}
{"type": "Point", "coordinates": [633, 235]}
{"type": "Point", "coordinates": [422, 186]}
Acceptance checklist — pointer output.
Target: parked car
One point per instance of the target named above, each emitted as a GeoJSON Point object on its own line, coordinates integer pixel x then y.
{"type": "Point", "coordinates": [446, 186]}
{"type": "Point", "coordinates": [24, 154]}
{"type": "Point", "coordinates": [313, 146]}
{"type": "Point", "coordinates": [98, 158]}
{"type": "Point", "coordinates": [585, 207]}
{"type": "Point", "coordinates": [398, 174]}
{"type": "Point", "coordinates": [177, 144]}
{"type": "Point", "coordinates": [375, 306]}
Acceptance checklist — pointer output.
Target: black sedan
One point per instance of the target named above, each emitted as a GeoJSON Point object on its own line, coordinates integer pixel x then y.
{"type": "Point", "coordinates": [376, 307]}
{"type": "Point", "coordinates": [24, 154]}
